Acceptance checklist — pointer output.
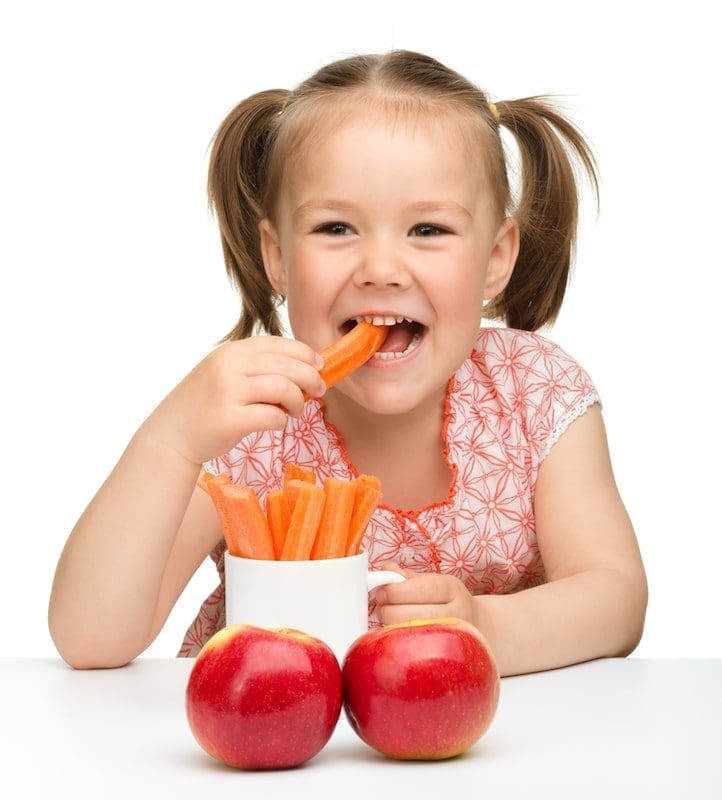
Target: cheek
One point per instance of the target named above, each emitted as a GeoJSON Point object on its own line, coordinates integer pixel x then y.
{"type": "Point", "coordinates": [309, 270]}
{"type": "Point", "coordinates": [460, 316]}
{"type": "Point", "coordinates": [462, 297]}
{"type": "Point", "coordinates": [309, 300]}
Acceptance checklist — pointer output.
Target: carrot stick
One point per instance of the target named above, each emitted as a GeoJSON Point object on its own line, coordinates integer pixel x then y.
{"type": "Point", "coordinates": [291, 492]}
{"type": "Point", "coordinates": [294, 472]}
{"type": "Point", "coordinates": [365, 502]}
{"type": "Point", "coordinates": [333, 528]}
{"type": "Point", "coordinates": [211, 484]}
{"type": "Point", "coordinates": [206, 478]}
{"type": "Point", "coordinates": [278, 518]}
{"type": "Point", "coordinates": [350, 351]}
{"type": "Point", "coordinates": [304, 522]}
{"type": "Point", "coordinates": [252, 535]}
{"type": "Point", "coordinates": [370, 480]}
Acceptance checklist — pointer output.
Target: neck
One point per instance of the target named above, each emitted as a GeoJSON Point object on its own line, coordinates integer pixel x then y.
{"type": "Point", "coordinates": [364, 429]}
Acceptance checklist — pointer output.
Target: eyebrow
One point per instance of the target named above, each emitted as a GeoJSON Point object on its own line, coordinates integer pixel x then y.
{"type": "Point", "coordinates": [343, 205]}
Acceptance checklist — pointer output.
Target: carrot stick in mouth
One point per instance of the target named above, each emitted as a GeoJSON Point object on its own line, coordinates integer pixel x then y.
{"type": "Point", "coordinates": [349, 352]}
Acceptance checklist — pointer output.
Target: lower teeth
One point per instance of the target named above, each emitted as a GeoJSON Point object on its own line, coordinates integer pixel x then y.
{"type": "Point", "coordinates": [411, 346]}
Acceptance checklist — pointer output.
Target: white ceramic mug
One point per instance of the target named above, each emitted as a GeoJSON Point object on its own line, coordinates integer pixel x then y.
{"type": "Point", "coordinates": [326, 598]}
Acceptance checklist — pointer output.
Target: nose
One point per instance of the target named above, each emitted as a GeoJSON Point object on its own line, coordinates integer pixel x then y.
{"type": "Point", "coordinates": [381, 268]}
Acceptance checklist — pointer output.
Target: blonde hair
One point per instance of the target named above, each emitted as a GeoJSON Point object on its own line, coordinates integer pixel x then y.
{"type": "Point", "coordinates": [255, 141]}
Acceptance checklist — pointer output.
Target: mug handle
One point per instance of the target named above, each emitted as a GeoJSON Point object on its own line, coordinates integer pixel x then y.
{"type": "Point", "coordinates": [382, 577]}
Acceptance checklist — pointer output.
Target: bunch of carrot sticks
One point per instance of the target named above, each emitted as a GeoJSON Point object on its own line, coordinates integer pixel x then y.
{"type": "Point", "coordinates": [302, 520]}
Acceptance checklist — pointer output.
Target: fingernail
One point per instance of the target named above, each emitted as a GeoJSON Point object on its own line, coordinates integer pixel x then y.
{"type": "Point", "coordinates": [319, 361]}
{"type": "Point", "coordinates": [381, 596]}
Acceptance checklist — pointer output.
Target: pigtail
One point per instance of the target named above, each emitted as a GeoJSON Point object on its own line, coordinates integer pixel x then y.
{"type": "Point", "coordinates": [254, 145]}
{"type": "Point", "coordinates": [236, 179]}
{"type": "Point", "coordinates": [547, 213]}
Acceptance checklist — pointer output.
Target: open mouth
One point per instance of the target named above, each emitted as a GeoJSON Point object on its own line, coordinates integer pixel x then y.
{"type": "Point", "coordinates": [403, 337]}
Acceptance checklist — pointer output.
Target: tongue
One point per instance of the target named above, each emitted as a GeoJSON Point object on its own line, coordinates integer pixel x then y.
{"type": "Point", "coordinates": [398, 337]}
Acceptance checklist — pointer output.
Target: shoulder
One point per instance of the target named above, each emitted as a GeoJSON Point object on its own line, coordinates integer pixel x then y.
{"type": "Point", "coordinates": [524, 358]}
{"type": "Point", "coordinates": [535, 377]}
{"type": "Point", "coordinates": [521, 350]}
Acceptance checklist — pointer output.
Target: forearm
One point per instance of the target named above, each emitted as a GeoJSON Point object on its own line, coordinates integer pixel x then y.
{"type": "Point", "coordinates": [594, 614]}
{"type": "Point", "coordinates": [108, 577]}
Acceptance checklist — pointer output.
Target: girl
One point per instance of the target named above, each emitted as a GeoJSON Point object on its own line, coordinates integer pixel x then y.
{"type": "Point", "coordinates": [378, 189]}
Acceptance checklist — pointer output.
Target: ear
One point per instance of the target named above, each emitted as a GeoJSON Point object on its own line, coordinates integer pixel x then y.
{"type": "Point", "coordinates": [272, 257]}
{"type": "Point", "coordinates": [502, 258]}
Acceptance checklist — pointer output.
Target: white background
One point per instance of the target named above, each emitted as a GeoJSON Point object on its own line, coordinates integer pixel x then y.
{"type": "Point", "coordinates": [113, 284]}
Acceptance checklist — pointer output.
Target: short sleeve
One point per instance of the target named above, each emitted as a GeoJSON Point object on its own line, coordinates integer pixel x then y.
{"type": "Point", "coordinates": [557, 390]}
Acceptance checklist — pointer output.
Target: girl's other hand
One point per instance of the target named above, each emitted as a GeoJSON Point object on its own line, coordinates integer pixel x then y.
{"type": "Point", "coordinates": [240, 387]}
{"type": "Point", "coordinates": [423, 595]}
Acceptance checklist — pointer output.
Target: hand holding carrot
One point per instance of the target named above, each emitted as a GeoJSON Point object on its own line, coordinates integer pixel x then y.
{"type": "Point", "coordinates": [253, 385]}
{"type": "Point", "coordinates": [240, 387]}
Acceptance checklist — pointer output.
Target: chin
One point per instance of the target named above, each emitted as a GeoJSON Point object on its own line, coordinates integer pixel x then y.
{"type": "Point", "coordinates": [386, 400]}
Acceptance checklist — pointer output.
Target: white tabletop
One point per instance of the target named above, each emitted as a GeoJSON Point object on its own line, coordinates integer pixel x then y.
{"type": "Point", "coordinates": [641, 728]}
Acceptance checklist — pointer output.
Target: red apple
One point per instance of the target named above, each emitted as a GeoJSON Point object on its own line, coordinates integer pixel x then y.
{"type": "Point", "coordinates": [260, 698]}
{"type": "Point", "coordinates": [423, 689]}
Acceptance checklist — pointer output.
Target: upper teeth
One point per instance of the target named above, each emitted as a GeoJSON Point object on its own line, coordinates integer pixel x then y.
{"type": "Point", "coordinates": [383, 320]}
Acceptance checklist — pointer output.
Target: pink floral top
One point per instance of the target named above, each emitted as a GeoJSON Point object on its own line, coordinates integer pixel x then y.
{"type": "Point", "coordinates": [505, 407]}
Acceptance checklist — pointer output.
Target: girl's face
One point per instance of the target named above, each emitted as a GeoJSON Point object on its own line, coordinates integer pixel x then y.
{"type": "Point", "coordinates": [353, 239]}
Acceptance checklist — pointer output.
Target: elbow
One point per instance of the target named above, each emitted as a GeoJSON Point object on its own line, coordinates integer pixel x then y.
{"type": "Point", "coordinates": [83, 656]}
{"type": "Point", "coordinates": [93, 661]}
{"type": "Point", "coordinates": [631, 644]}
{"type": "Point", "coordinates": [83, 653]}
{"type": "Point", "coordinates": [635, 612]}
